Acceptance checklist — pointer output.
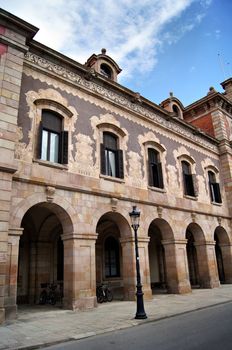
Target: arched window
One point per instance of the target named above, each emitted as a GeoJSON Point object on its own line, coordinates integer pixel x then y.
{"type": "Point", "coordinates": [112, 265]}
{"type": "Point", "coordinates": [155, 169]}
{"type": "Point", "coordinates": [214, 188]}
{"type": "Point", "coordinates": [188, 179]}
{"type": "Point", "coordinates": [176, 110]}
{"type": "Point", "coordinates": [53, 141]}
{"type": "Point", "coordinates": [106, 70]}
{"type": "Point", "coordinates": [111, 156]}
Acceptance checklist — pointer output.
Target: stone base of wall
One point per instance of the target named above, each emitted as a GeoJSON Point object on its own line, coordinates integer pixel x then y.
{"type": "Point", "coordinates": [81, 304]}
{"type": "Point", "coordinates": [210, 284]}
{"type": "Point", "coordinates": [2, 316]}
{"type": "Point", "coordinates": [11, 312]}
{"type": "Point", "coordinates": [180, 289]}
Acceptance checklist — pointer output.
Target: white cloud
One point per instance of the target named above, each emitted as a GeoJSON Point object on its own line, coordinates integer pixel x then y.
{"type": "Point", "coordinates": [129, 30]}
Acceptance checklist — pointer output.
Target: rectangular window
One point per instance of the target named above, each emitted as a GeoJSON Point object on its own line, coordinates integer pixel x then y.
{"type": "Point", "coordinates": [50, 146]}
{"type": "Point", "coordinates": [52, 140]}
{"type": "Point", "coordinates": [111, 156]}
{"type": "Point", "coordinates": [155, 169]}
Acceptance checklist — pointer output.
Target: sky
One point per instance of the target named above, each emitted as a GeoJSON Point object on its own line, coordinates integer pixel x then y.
{"type": "Point", "coordinates": [162, 46]}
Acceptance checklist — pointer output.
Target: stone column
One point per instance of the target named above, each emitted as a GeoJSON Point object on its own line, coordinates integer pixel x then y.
{"type": "Point", "coordinates": [14, 33]}
{"type": "Point", "coordinates": [226, 250]}
{"type": "Point", "coordinates": [12, 273]}
{"type": "Point", "coordinates": [176, 266]}
{"type": "Point", "coordinates": [129, 269]}
{"type": "Point", "coordinates": [207, 264]}
{"type": "Point", "coordinates": [79, 271]}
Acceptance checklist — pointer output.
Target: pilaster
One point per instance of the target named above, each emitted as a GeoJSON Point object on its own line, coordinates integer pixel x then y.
{"type": "Point", "coordinates": [226, 250]}
{"type": "Point", "coordinates": [207, 264]}
{"type": "Point", "coordinates": [176, 266]}
{"type": "Point", "coordinates": [79, 271]}
{"type": "Point", "coordinates": [12, 273]}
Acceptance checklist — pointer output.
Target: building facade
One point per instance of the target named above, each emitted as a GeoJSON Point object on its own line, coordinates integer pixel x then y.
{"type": "Point", "coordinates": [77, 150]}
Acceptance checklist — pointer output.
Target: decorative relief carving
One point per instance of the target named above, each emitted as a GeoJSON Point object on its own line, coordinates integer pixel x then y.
{"type": "Point", "coordinates": [173, 181]}
{"type": "Point", "coordinates": [159, 212]}
{"type": "Point", "coordinates": [50, 191]}
{"type": "Point", "coordinates": [114, 203]}
{"type": "Point", "coordinates": [194, 216]}
{"type": "Point", "coordinates": [119, 99]}
{"type": "Point", "coordinates": [135, 177]}
{"type": "Point", "coordinates": [219, 219]}
{"type": "Point", "coordinates": [202, 189]}
{"type": "Point", "coordinates": [83, 159]}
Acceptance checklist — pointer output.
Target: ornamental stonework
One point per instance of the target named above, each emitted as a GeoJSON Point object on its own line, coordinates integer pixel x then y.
{"type": "Point", "coordinates": [117, 98]}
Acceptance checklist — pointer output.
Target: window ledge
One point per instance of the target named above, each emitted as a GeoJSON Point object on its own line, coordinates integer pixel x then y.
{"type": "Point", "coordinates": [156, 189]}
{"type": "Point", "coordinates": [216, 203]}
{"type": "Point", "coordinates": [50, 164]}
{"type": "Point", "coordinates": [190, 197]}
{"type": "Point", "coordinates": [111, 178]}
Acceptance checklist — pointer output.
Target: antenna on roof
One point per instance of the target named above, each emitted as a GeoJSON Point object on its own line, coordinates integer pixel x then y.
{"type": "Point", "coordinates": [229, 68]}
{"type": "Point", "coordinates": [221, 65]}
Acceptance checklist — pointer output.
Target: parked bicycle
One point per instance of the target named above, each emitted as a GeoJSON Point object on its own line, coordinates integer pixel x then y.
{"type": "Point", "coordinates": [48, 294]}
{"type": "Point", "coordinates": [103, 293]}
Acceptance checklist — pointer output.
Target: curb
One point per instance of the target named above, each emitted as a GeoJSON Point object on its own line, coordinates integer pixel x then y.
{"type": "Point", "coordinates": [108, 330]}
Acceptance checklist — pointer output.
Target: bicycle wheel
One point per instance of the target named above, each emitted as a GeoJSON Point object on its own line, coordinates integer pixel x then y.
{"type": "Point", "coordinates": [43, 297]}
{"type": "Point", "coordinates": [100, 297]}
{"type": "Point", "coordinates": [52, 299]}
{"type": "Point", "coordinates": [109, 295]}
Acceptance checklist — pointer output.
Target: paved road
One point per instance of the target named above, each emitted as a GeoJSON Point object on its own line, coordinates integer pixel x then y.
{"type": "Point", "coordinates": [204, 329]}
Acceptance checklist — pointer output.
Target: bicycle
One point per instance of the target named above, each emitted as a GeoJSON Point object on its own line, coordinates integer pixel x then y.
{"type": "Point", "coordinates": [48, 294]}
{"type": "Point", "coordinates": [103, 293]}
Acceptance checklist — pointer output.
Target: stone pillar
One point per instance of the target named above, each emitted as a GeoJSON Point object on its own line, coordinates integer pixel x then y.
{"type": "Point", "coordinates": [176, 266]}
{"type": "Point", "coordinates": [226, 250]}
{"type": "Point", "coordinates": [207, 264]}
{"type": "Point", "coordinates": [79, 271]}
{"type": "Point", "coordinates": [129, 269]}
{"type": "Point", "coordinates": [14, 33]}
{"type": "Point", "coordinates": [12, 273]}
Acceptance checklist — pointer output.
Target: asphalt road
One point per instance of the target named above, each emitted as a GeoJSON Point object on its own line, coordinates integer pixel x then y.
{"type": "Point", "coordinates": [210, 328]}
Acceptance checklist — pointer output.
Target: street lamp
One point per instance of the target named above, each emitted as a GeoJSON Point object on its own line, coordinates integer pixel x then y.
{"type": "Point", "coordinates": [140, 313]}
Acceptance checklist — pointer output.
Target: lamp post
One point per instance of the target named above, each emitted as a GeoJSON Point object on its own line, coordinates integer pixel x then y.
{"type": "Point", "coordinates": [140, 312]}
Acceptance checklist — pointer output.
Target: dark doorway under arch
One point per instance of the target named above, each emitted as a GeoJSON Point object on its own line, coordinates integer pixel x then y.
{"type": "Point", "coordinates": [41, 254]}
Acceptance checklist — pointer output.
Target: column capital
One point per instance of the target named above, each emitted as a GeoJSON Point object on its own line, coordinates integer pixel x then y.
{"type": "Point", "coordinates": [205, 243]}
{"type": "Point", "coordinates": [174, 241]}
{"type": "Point", "coordinates": [15, 231]}
{"type": "Point", "coordinates": [132, 239]}
{"type": "Point", "coordinates": [79, 236]}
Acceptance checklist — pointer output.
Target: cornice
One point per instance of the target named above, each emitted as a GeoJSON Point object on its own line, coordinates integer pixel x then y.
{"type": "Point", "coordinates": [212, 100]}
{"type": "Point", "coordinates": [177, 126]}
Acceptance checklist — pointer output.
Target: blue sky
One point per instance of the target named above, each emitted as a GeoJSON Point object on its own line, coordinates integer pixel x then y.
{"type": "Point", "coordinates": [162, 45]}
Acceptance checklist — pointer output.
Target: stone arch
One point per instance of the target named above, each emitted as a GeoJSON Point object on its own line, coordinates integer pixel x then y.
{"type": "Point", "coordinates": [59, 205]}
{"type": "Point", "coordinates": [160, 232]}
{"type": "Point", "coordinates": [113, 264]}
{"type": "Point", "coordinates": [197, 232]}
{"type": "Point", "coordinates": [223, 252]}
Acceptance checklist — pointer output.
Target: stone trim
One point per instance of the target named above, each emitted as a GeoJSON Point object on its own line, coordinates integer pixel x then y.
{"type": "Point", "coordinates": [174, 241]}
{"type": "Point", "coordinates": [79, 236]}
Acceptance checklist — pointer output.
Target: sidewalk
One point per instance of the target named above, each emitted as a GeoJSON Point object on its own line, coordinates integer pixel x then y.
{"type": "Point", "coordinates": [39, 326]}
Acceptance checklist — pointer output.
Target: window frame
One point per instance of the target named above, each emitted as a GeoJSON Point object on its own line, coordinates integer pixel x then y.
{"type": "Point", "coordinates": [161, 150]}
{"type": "Point", "coordinates": [63, 139]}
{"type": "Point", "coordinates": [155, 173]}
{"type": "Point", "coordinates": [117, 258]}
{"type": "Point", "coordinates": [188, 179]}
{"type": "Point", "coordinates": [214, 187]}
